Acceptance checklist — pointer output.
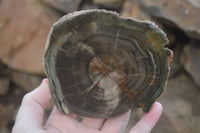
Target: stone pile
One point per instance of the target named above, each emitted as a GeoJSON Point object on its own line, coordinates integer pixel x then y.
{"type": "Point", "coordinates": [24, 26]}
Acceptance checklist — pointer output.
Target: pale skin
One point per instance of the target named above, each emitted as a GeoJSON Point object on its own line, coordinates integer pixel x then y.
{"type": "Point", "coordinates": [30, 118]}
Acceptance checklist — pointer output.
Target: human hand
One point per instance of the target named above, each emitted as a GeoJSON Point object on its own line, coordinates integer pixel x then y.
{"type": "Point", "coordinates": [30, 118]}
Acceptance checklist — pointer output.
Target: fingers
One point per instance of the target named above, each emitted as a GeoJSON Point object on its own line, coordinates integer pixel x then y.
{"type": "Point", "coordinates": [66, 123]}
{"type": "Point", "coordinates": [148, 121]}
{"type": "Point", "coordinates": [31, 111]}
{"type": "Point", "coordinates": [117, 124]}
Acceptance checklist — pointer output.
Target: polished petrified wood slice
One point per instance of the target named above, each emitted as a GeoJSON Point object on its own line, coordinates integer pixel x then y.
{"type": "Point", "coordinates": [101, 65]}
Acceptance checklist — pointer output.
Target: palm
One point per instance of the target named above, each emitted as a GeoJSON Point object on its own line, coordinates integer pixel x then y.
{"type": "Point", "coordinates": [87, 125]}
{"type": "Point", "coordinates": [30, 118]}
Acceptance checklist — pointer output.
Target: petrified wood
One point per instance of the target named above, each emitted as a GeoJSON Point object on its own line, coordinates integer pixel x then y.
{"type": "Point", "coordinates": [101, 65]}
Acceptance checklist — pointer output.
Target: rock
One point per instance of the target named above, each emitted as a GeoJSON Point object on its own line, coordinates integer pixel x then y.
{"type": "Point", "coordinates": [175, 65]}
{"type": "Point", "coordinates": [65, 6]}
{"type": "Point", "coordinates": [170, 35]}
{"type": "Point", "coordinates": [4, 70]}
{"type": "Point", "coordinates": [24, 28]}
{"type": "Point", "coordinates": [110, 4]}
{"type": "Point", "coordinates": [4, 130]}
{"type": "Point", "coordinates": [181, 104]}
{"type": "Point", "coordinates": [26, 81]}
{"type": "Point", "coordinates": [181, 112]}
{"type": "Point", "coordinates": [190, 59]}
{"type": "Point", "coordinates": [4, 86]}
{"type": "Point", "coordinates": [9, 105]}
{"type": "Point", "coordinates": [182, 13]}
{"type": "Point", "coordinates": [2, 115]}
{"type": "Point", "coordinates": [4, 79]}
{"type": "Point", "coordinates": [86, 6]}
{"type": "Point", "coordinates": [132, 9]}
{"type": "Point", "coordinates": [6, 112]}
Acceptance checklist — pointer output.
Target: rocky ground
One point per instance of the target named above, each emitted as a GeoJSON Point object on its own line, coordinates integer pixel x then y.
{"type": "Point", "coordinates": [24, 26]}
{"type": "Point", "coordinates": [181, 107]}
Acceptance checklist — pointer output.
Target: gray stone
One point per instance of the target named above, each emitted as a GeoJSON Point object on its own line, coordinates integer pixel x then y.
{"type": "Point", "coordinates": [190, 60]}
{"type": "Point", "coordinates": [65, 6]}
{"type": "Point", "coordinates": [175, 65]}
{"type": "Point", "coordinates": [87, 6]}
{"type": "Point", "coordinates": [183, 14]}
{"type": "Point", "coordinates": [4, 130]}
{"type": "Point", "coordinates": [25, 80]}
{"type": "Point", "coordinates": [170, 35]}
{"type": "Point", "coordinates": [4, 86]}
{"type": "Point", "coordinates": [181, 112]}
{"type": "Point", "coordinates": [181, 104]}
{"type": "Point", "coordinates": [131, 8]}
{"type": "Point", "coordinates": [111, 4]}
{"type": "Point", "coordinates": [6, 112]}
{"type": "Point", "coordinates": [4, 70]}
